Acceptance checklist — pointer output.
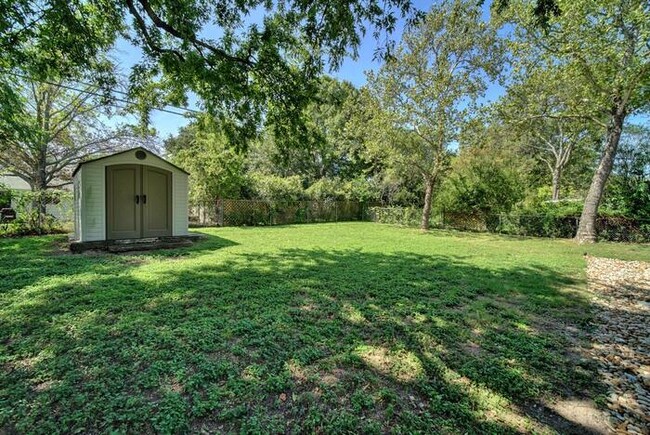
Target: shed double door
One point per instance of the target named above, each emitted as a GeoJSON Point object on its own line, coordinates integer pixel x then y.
{"type": "Point", "coordinates": [138, 202]}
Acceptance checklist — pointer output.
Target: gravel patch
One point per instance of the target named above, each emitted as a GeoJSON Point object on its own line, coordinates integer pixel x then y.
{"type": "Point", "coordinates": [622, 339]}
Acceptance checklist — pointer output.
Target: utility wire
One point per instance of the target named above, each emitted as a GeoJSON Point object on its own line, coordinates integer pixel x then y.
{"type": "Point", "coordinates": [121, 100]}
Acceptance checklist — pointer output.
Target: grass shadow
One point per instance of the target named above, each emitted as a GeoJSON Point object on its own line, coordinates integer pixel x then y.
{"type": "Point", "coordinates": [296, 340]}
{"type": "Point", "coordinates": [26, 260]}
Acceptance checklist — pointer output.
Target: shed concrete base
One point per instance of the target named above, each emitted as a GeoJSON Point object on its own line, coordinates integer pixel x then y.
{"type": "Point", "coordinates": [147, 244]}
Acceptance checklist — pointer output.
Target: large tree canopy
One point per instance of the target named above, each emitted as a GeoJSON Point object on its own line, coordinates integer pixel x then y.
{"type": "Point", "coordinates": [327, 147]}
{"type": "Point", "coordinates": [247, 61]}
{"type": "Point", "coordinates": [49, 128]}
{"type": "Point", "coordinates": [216, 170]}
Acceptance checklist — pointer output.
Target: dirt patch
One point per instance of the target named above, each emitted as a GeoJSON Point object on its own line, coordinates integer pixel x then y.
{"type": "Point", "coordinates": [581, 412]}
{"type": "Point", "coordinates": [333, 377]}
{"type": "Point", "coordinates": [297, 371]}
{"type": "Point", "coordinates": [60, 246]}
{"type": "Point", "coordinates": [568, 416]}
{"type": "Point", "coordinates": [472, 349]}
{"type": "Point", "coordinates": [401, 365]}
{"type": "Point", "coordinates": [622, 339]}
{"type": "Point", "coordinates": [44, 386]}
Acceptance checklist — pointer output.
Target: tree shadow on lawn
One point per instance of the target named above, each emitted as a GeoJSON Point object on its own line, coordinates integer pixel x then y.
{"type": "Point", "coordinates": [27, 260]}
{"type": "Point", "coordinates": [300, 340]}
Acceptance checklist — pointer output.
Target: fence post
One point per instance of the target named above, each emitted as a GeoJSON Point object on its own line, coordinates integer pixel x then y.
{"type": "Point", "coordinates": [270, 213]}
{"type": "Point", "coordinates": [336, 211]}
{"type": "Point", "coordinates": [220, 208]}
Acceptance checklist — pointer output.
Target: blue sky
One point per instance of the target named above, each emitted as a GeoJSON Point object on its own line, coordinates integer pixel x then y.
{"type": "Point", "coordinates": [352, 70]}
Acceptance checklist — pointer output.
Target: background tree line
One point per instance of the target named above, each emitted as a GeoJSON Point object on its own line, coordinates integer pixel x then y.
{"type": "Point", "coordinates": [417, 135]}
{"type": "Point", "coordinates": [494, 167]}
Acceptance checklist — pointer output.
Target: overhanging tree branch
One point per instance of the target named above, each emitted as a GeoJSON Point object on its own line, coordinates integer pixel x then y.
{"type": "Point", "coordinates": [163, 25]}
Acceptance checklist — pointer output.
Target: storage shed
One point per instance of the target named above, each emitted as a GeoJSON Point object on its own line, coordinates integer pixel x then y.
{"type": "Point", "coordinates": [133, 194]}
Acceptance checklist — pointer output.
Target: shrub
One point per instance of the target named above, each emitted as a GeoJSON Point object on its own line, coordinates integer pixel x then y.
{"type": "Point", "coordinates": [274, 187]}
{"type": "Point", "coordinates": [361, 189]}
{"type": "Point", "coordinates": [406, 216]}
{"type": "Point", "coordinates": [5, 196]}
{"type": "Point", "coordinates": [326, 189]}
{"type": "Point", "coordinates": [29, 221]}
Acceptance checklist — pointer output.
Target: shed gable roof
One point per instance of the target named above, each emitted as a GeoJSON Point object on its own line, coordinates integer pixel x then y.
{"type": "Point", "coordinates": [124, 152]}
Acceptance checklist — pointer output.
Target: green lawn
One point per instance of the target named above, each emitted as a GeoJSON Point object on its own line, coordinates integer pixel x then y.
{"type": "Point", "coordinates": [330, 327]}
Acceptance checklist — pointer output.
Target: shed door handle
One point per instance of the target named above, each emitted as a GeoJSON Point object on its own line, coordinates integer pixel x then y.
{"type": "Point", "coordinates": [137, 199]}
{"type": "Point", "coordinates": [144, 199]}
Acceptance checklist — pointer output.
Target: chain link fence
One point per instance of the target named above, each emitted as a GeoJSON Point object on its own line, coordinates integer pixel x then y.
{"type": "Point", "coordinates": [405, 216]}
{"type": "Point", "coordinates": [245, 212]}
{"type": "Point", "coordinates": [616, 229]}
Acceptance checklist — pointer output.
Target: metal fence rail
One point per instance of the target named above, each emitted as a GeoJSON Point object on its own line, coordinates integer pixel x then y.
{"type": "Point", "coordinates": [245, 212]}
{"type": "Point", "coordinates": [617, 229]}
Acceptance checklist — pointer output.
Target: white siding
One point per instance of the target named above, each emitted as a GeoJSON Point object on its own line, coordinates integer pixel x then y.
{"type": "Point", "coordinates": [76, 184]}
{"type": "Point", "coordinates": [93, 194]}
{"type": "Point", "coordinates": [180, 206]}
{"type": "Point", "coordinates": [93, 203]}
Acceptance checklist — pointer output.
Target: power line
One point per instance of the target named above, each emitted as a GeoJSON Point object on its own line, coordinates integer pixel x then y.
{"type": "Point", "coordinates": [121, 100]}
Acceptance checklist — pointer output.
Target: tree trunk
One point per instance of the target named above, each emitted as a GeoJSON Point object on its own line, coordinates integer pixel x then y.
{"type": "Point", "coordinates": [426, 211]}
{"type": "Point", "coordinates": [557, 174]}
{"type": "Point", "coordinates": [39, 187]}
{"type": "Point", "coordinates": [587, 227]}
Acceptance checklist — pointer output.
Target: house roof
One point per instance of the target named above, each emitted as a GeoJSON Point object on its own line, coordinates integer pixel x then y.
{"type": "Point", "coordinates": [127, 151]}
{"type": "Point", "coordinates": [13, 182]}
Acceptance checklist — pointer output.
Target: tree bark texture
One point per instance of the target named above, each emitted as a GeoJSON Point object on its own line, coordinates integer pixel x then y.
{"type": "Point", "coordinates": [557, 175]}
{"type": "Point", "coordinates": [587, 226]}
{"type": "Point", "coordinates": [426, 211]}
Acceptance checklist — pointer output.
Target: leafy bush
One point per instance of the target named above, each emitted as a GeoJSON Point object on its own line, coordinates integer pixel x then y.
{"type": "Point", "coordinates": [541, 205]}
{"type": "Point", "coordinates": [5, 196]}
{"type": "Point", "coordinates": [538, 225]}
{"type": "Point", "coordinates": [29, 221]}
{"type": "Point", "coordinates": [216, 169]}
{"type": "Point", "coordinates": [262, 212]}
{"type": "Point", "coordinates": [326, 188]}
{"type": "Point", "coordinates": [360, 189]}
{"type": "Point", "coordinates": [564, 208]}
{"type": "Point", "coordinates": [480, 184]}
{"type": "Point", "coordinates": [559, 222]}
{"type": "Point", "coordinates": [406, 216]}
{"type": "Point", "coordinates": [274, 187]}
{"type": "Point", "coordinates": [622, 229]}
{"type": "Point", "coordinates": [252, 213]}
{"type": "Point", "coordinates": [628, 189]}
